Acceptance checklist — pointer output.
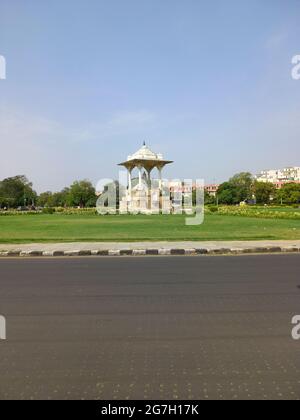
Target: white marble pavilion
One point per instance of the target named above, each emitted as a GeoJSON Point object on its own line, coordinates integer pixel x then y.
{"type": "Point", "coordinates": [142, 198]}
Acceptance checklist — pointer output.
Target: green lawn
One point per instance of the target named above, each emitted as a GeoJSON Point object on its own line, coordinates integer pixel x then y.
{"type": "Point", "coordinates": [65, 228]}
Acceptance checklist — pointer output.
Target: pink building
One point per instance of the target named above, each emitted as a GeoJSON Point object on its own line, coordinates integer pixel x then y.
{"type": "Point", "coordinates": [280, 184]}
{"type": "Point", "coordinates": [212, 189]}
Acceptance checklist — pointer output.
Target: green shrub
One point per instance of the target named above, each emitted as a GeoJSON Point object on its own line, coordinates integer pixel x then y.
{"type": "Point", "coordinates": [213, 209]}
{"type": "Point", "coordinates": [48, 210]}
{"type": "Point", "coordinates": [258, 212]}
{"type": "Point", "coordinates": [18, 213]}
{"type": "Point", "coordinates": [76, 211]}
{"type": "Point", "coordinates": [59, 209]}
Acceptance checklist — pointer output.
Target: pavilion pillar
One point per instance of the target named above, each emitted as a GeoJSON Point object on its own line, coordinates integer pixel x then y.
{"type": "Point", "coordinates": [140, 176]}
{"type": "Point", "coordinates": [160, 178]}
{"type": "Point", "coordinates": [129, 181]}
{"type": "Point", "coordinates": [149, 191]}
{"type": "Point", "coordinates": [149, 177]}
{"type": "Point", "coordinates": [160, 197]}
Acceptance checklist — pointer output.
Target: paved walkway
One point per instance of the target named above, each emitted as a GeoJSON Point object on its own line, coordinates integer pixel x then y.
{"type": "Point", "coordinates": [151, 248]}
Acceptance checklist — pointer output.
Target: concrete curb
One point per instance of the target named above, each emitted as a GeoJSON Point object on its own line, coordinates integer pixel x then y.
{"type": "Point", "coordinates": [150, 252]}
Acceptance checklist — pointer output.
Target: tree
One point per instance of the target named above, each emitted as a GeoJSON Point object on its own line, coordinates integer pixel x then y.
{"type": "Point", "coordinates": [242, 183]}
{"type": "Point", "coordinates": [61, 198]}
{"type": "Point", "coordinates": [118, 190]}
{"type": "Point", "coordinates": [242, 179]}
{"type": "Point", "coordinates": [227, 194]}
{"type": "Point", "coordinates": [16, 191]}
{"type": "Point", "coordinates": [263, 192]}
{"type": "Point", "coordinates": [45, 199]}
{"type": "Point", "coordinates": [57, 199]}
{"type": "Point", "coordinates": [288, 194]}
{"type": "Point", "coordinates": [236, 190]}
{"type": "Point", "coordinates": [209, 198]}
{"type": "Point", "coordinates": [82, 194]}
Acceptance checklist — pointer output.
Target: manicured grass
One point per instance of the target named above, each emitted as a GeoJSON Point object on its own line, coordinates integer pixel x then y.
{"type": "Point", "coordinates": [65, 228]}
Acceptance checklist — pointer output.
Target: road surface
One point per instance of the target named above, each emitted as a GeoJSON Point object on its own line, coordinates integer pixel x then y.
{"type": "Point", "coordinates": [150, 328]}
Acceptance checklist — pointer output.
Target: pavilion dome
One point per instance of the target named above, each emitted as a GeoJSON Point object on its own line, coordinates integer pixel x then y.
{"type": "Point", "coordinates": [144, 153]}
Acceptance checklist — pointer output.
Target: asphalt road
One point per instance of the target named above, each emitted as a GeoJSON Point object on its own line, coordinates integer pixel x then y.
{"type": "Point", "coordinates": [153, 328]}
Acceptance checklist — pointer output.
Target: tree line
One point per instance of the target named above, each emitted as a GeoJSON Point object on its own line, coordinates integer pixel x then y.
{"type": "Point", "coordinates": [243, 187]}
{"type": "Point", "coordinates": [18, 192]}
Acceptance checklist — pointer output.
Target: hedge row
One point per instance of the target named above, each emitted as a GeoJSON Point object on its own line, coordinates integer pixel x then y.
{"type": "Point", "coordinates": [256, 212]}
{"type": "Point", "coordinates": [59, 210]}
{"type": "Point", "coordinates": [246, 211]}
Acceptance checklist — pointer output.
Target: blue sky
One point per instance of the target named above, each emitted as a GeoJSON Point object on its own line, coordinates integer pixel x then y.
{"type": "Point", "coordinates": [207, 83]}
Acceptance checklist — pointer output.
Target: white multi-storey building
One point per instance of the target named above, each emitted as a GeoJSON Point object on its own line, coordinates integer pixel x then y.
{"type": "Point", "coordinates": [276, 176]}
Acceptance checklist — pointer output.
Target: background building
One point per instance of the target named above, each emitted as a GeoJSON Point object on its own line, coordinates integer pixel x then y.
{"type": "Point", "coordinates": [212, 189]}
{"type": "Point", "coordinates": [280, 176]}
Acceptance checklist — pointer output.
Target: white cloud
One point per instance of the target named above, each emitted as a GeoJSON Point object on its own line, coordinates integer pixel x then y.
{"type": "Point", "coordinates": [119, 124]}
{"type": "Point", "coordinates": [16, 126]}
{"type": "Point", "coordinates": [277, 40]}
{"type": "Point", "coordinates": [52, 154]}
